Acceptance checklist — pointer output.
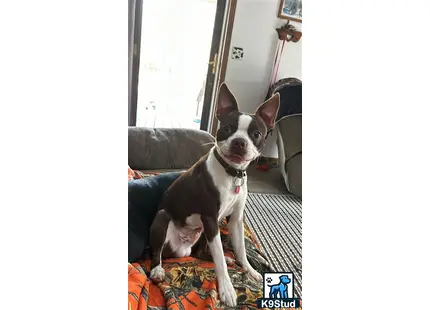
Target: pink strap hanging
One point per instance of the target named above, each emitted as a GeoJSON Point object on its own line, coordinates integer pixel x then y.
{"type": "Point", "coordinates": [274, 74]}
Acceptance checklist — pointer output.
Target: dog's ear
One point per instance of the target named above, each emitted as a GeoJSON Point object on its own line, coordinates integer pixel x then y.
{"type": "Point", "coordinates": [226, 102]}
{"type": "Point", "coordinates": [268, 110]}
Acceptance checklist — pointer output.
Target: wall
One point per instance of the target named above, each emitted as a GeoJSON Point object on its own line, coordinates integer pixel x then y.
{"type": "Point", "coordinates": [254, 31]}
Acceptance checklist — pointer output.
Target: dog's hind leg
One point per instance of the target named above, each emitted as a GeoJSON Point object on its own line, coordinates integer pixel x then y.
{"type": "Point", "coordinates": [273, 292]}
{"type": "Point", "coordinates": [157, 238]}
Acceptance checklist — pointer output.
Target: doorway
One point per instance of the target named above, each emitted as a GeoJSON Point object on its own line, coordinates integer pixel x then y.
{"type": "Point", "coordinates": [179, 44]}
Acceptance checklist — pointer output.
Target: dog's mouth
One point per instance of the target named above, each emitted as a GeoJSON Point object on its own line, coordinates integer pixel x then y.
{"type": "Point", "coordinates": [236, 158]}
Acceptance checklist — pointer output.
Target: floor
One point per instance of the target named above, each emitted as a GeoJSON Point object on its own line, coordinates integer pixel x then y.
{"type": "Point", "coordinates": [264, 214]}
{"type": "Point", "coordinates": [269, 182]}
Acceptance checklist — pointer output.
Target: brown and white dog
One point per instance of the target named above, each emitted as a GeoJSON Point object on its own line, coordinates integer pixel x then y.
{"type": "Point", "coordinates": [214, 188]}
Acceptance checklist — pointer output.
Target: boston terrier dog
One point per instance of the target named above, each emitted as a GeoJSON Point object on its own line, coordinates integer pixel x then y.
{"type": "Point", "coordinates": [214, 188]}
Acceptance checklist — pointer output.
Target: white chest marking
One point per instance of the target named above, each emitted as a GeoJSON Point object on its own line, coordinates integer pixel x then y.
{"type": "Point", "coordinates": [225, 185]}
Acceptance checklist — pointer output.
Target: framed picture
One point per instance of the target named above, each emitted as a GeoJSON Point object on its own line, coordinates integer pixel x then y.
{"type": "Point", "coordinates": [290, 9]}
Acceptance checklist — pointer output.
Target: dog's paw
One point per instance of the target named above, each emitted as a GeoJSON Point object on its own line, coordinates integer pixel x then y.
{"type": "Point", "coordinates": [253, 273]}
{"type": "Point", "coordinates": [229, 261]}
{"type": "Point", "coordinates": [256, 275]}
{"type": "Point", "coordinates": [226, 292]}
{"type": "Point", "coordinates": [157, 274]}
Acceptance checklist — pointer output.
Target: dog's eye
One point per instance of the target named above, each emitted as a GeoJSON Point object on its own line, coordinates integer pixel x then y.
{"type": "Point", "coordinates": [226, 128]}
{"type": "Point", "coordinates": [257, 134]}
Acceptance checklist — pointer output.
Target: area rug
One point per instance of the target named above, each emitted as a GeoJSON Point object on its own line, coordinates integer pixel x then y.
{"type": "Point", "coordinates": [276, 221]}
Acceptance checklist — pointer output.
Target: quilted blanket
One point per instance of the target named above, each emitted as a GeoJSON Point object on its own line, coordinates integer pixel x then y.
{"type": "Point", "coordinates": [191, 282]}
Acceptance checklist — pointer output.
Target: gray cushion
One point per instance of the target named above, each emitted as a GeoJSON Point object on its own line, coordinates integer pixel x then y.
{"type": "Point", "coordinates": [289, 141]}
{"type": "Point", "coordinates": [166, 148]}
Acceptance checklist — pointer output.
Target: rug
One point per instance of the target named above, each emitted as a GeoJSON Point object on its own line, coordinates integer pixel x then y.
{"type": "Point", "coordinates": [276, 221]}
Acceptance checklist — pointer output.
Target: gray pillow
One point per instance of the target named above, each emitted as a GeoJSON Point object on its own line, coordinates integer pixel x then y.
{"type": "Point", "coordinates": [166, 148]}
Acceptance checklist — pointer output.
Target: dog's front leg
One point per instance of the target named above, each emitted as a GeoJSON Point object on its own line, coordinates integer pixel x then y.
{"type": "Point", "coordinates": [282, 293]}
{"type": "Point", "coordinates": [226, 290]}
{"type": "Point", "coordinates": [236, 230]}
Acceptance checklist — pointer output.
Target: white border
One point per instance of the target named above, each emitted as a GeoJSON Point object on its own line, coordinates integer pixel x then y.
{"type": "Point", "coordinates": [366, 155]}
{"type": "Point", "coordinates": [63, 124]}
{"type": "Point", "coordinates": [63, 221]}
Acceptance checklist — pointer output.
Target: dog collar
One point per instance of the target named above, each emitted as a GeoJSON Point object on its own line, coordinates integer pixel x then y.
{"type": "Point", "coordinates": [229, 169]}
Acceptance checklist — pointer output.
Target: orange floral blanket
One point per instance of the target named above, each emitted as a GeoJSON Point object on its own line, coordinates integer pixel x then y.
{"type": "Point", "coordinates": [191, 282]}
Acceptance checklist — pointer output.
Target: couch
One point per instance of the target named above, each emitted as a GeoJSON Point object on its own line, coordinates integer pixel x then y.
{"type": "Point", "coordinates": [166, 149]}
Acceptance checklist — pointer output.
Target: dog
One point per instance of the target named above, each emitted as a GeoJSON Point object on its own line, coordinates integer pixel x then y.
{"type": "Point", "coordinates": [213, 189]}
{"type": "Point", "coordinates": [280, 288]}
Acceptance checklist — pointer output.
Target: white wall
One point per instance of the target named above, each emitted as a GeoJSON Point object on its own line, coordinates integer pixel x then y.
{"type": "Point", "coordinates": [254, 31]}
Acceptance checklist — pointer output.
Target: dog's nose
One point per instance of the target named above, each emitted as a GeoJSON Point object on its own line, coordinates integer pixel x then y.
{"type": "Point", "coordinates": [239, 143]}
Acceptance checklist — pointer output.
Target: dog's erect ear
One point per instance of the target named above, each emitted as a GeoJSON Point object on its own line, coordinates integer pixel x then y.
{"type": "Point", "coordinates": [226, 101]}
{"type": "Point", "coordinates": [268, 110]}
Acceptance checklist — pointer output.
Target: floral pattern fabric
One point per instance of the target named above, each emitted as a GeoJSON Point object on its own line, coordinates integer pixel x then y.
{"type": "Point", "coordinates": [190, 282]}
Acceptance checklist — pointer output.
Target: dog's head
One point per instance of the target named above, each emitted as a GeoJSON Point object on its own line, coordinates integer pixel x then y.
{"type": "Point", "coordinates": [284, 279]}
{"type": "Point", "coordinates": [241, 137]}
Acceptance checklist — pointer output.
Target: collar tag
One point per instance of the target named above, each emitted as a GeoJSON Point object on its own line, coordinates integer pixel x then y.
{"type": "Point", "coordinates": [238, 182]}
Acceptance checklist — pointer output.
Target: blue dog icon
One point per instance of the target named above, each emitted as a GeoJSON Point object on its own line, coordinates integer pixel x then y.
{"type": "Point", "coordinates": [281, 288]}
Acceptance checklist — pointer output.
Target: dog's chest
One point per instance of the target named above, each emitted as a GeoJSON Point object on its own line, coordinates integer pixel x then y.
{"type": "Point", "coordinates": [229, 199]}
{"type": "Point", "coordinates": [229, 195]}
{"type": "Point", "coordinates": [226, 185]}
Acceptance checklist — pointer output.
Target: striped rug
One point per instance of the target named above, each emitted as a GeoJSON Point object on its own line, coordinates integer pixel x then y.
{"type": "Point", "coordinates": [277, 223]}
